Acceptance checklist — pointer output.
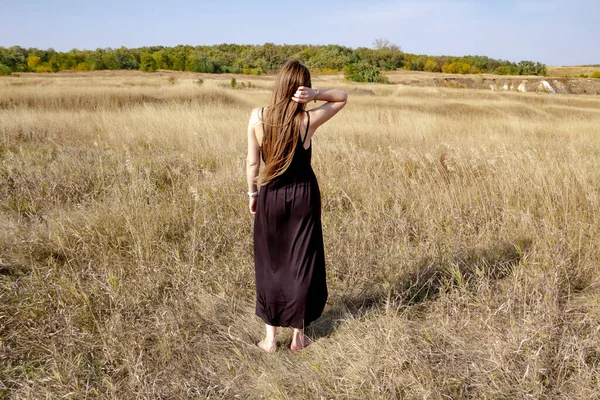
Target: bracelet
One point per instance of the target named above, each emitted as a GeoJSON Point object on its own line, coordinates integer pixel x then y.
{"type": "Point", "coordinates": [252, 194]}
{"type": "Point", "coordinates": [316, 93]}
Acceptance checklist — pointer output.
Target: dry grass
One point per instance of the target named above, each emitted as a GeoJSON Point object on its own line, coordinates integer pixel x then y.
{"type": "Point", "coordinates": [461, 232]}
{"type": "Point", "coordinates": [573, 72]}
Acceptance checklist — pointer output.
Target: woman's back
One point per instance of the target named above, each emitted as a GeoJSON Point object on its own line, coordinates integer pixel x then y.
{"type": "Point", "coordinates": [300, 169]}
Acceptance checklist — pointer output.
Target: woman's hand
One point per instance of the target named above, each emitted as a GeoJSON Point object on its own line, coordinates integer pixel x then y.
{"type": "Point", "coordinates": [252, 204]}
{"type": "Point", "coordinates": [304, 95]}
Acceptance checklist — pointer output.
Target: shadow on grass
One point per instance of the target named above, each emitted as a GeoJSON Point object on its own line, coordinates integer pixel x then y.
{"type": "Point", "coordinates": [13, 270]}
{"type": "Point", "coordinates": [429, 275]}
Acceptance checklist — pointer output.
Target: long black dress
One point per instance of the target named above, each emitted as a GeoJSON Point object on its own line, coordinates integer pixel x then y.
{"type": "Point", "coordinates": [289, 260]}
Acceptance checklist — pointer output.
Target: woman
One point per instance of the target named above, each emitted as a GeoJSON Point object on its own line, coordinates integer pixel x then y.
{"type": "Point", "coordinates": [289, 260]}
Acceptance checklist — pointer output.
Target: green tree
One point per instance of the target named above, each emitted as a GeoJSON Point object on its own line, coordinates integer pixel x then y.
{"type": "Point", "coordinates": [110, 60]}
{"type": "Point", "coordinates": [201, 63]}
{"type": "Point", "coordinates": [126, 59]}
{"type": "Point", "coordinates": [178, 55]}
{"type": "Point", "coordinates": [4, 70]}
{"type": "Point", "coordinates": [54, 63]}
{"type": "Point", "coordinates": [94, 60]}
{"type": "Point", "coordinates": [15, 58]}
{"type": "Point", "coordinates": [162, 59]}
{"type": "Point", "coordinates": [330, 58]}
{"type": "Point", "coordinates": [147, 63]}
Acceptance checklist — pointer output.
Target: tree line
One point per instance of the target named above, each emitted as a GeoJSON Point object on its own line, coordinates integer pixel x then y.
{"type": "Point", "coordinates": [255, 60]}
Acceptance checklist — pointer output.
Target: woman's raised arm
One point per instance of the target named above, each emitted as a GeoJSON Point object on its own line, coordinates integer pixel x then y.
{"type": "Point", "coordinates": [335, 100]}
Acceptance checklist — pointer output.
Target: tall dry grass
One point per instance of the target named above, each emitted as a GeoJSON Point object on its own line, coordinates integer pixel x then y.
{"type": "Point", "coordinates": [461, 233]}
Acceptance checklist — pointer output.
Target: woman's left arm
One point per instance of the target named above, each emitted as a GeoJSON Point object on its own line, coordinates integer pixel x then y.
{"type": "Point", "coordinates": [252, 161]}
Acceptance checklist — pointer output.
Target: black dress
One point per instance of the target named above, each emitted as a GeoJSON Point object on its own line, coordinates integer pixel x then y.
{"type": "Point", "coordinates": [289, 260]}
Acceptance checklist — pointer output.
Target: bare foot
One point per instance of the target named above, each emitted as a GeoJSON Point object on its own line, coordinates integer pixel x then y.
{"type": "Point", "coordinates": [300, 344]}
{"type": "Point", "coordinates": [267, 346]}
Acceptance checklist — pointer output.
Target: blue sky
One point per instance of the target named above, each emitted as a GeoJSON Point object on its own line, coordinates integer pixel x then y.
{"type": "Point", "coordinates": [555, 32]}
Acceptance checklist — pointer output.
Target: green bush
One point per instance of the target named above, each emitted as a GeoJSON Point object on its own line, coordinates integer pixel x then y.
{"type": "Point", "coordinates": [205, 65]}
{"type": "Point", "coordinates": [364, 72]}
{"type": "Point", "coordinates": [596, 75]}
{"type": "Point", "coordinates": [147, 63]}
{"type": "Point", "coordinates": [4, 70]}
{"type": "Point", "coordinates": [233, 83]}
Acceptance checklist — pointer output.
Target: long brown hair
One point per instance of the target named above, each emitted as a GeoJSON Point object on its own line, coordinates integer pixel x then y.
{"type": "Point", "coordinates": [282, 121]}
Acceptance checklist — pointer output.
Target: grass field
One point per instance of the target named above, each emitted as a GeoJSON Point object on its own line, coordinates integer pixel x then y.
{"type": "Point", "coordinates": [573, 72]}
{"type": "Point", "coordinates": [461, 233]}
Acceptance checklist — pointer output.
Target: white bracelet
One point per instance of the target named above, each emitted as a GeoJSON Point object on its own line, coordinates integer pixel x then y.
{"type": "Point", "coordinates": [252, 194]}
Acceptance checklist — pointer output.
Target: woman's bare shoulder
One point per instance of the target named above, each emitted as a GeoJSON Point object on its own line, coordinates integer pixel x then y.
{"type": "Point", "coordinates": [256, 115]}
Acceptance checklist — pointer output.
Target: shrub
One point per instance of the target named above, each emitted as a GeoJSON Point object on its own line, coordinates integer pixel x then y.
{"type": "Point", "coordinates": [147, 63]}
{"type": "Point", "coordinates": [502, 70]}
{"type": "Point", "coordinates": [205, 65]}
{"type": "Point", "coordinates": [33, 62]}
{"type": "Point", "coordinates": [172, 80]}
{"type": "Point", "coordinates": [4, 70]}
{"type": "Point", "coordinates": [456, 67]}
{"type": "Point", "coordinates": [364, 72]}
{"type": "Point", "coordinates": [43, 68]}
{"type": "Point", "coordinates": [220, 68]}
{"type": "Point", "coordinates": [82, 66]}
{"type": "Point", "coordinates": [596, 75]}
{"type": "Point", "coordinates": [233, 83]}
{"type": "Point", "coordinates": [252, 71]}
{"type": "Point", "coordinates": [431, 65]}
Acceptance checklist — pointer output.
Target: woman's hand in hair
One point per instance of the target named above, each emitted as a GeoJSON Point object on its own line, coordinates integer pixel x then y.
{"type": "Point", "coordinates": [304, 95]}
